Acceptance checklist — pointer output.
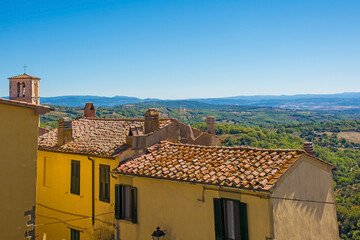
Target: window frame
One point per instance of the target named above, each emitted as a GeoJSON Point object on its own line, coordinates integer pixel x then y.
{"type": "Point", "coordinates": [74, 234]}
{"type": "Point", "coordinates": [220, 217]}
{"type": "Point", "coordinates": [104, 186]}
{"type": "Point", "coordinates": [119, 201]}
{"type": "Point", "coordinates": [75, 177]}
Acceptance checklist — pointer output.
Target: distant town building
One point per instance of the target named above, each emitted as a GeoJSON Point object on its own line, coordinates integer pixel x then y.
{"type": "Point", "coordinates": [25, 88]}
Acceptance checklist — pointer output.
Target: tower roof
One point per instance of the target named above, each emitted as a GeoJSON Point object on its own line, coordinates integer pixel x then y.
{"type": "Point", "coordinates": [24, 76]}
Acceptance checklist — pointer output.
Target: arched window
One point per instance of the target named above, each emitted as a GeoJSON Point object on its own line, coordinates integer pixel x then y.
{"type": "Point", "coordinates": [18, 89]}
{"type": "Point", "coordinates": [23, 89]}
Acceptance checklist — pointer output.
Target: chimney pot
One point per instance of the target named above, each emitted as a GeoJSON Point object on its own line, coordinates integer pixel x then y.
{"type": "Point", "coordinates": [64, 131]}
{"type": "Point", "coordinates": [309, 148]}
{"type": "Point", "coordinates": [210, 121]}
{"type": "Point", "coordinates": [152, 122]}
{"type": "Point", "coordinates": [89, 110]}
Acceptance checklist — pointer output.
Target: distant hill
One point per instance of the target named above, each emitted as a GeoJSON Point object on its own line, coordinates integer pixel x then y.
{"type": "Point", "coordinates": [341, 101]}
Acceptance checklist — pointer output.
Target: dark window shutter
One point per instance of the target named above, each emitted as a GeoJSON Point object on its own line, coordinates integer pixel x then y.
{"type": "Point", "coordinates": [72, 186]}
{"type": "Point", "coordinates": [78, 177]}
{"type": "Point", "coordinates": [118, 201]}
{"type": "Point", "coordinates": [74, 234]}
{"type": "Point", "coordinates": [219, 219]}
{"type": "Point", "coordinates": [243, 221]}
{"type": "Point", "coordinates": [75, 177]}
{"type": "Point", "coordinates": [133, 205]}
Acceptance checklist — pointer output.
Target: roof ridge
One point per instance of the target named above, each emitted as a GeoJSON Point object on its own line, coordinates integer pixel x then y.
{"type": "Point", "coordinates": [24, 75]}
{"type": "Point", "coordinates": [234, 147]}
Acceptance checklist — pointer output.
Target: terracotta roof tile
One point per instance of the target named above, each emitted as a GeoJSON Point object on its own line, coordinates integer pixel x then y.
{"type": "Point", "coordinates": [94, 136]}
{"type": "Point", "coordinates": [225, 166]}
{"type": "Point", "coordinates": [24, 76]}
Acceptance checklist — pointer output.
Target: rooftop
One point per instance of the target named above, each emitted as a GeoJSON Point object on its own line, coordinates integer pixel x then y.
{"type": "Point", "coordinates": [24, 76]}
{"type": "Point", "coordinates": [40, 109]}
{"type": "Point", "coordinates": [241, 167]}
{"type": "Point", "coordinates": [94, 136]}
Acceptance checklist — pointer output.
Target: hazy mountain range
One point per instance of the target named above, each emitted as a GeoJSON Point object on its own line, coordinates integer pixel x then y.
{"type": "Point", "coordinates": [340, 101]}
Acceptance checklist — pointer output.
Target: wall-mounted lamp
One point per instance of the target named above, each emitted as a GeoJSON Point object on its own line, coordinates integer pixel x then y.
{"type": "Point", "coordinates": [158, 234]}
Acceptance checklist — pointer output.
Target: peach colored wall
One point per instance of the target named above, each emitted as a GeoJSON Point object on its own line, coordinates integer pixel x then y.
{"type": "Point", "coordinates": [307, 180]}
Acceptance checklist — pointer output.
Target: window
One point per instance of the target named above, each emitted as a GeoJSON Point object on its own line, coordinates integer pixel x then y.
{"type": "Point", "coordinates": [23, 89]}
{"type": "Point", "coordinates": [104, 184]}
{"type": "Point", "coordinates": [126, 203]}
{"type": "Point", "coordinates": [230, 220]}
{"type": "Point", "coordinates": [75, 177]}
{"type": "Point", "coordinates": [18, 89]}
{"type": "Point", "coordinates": [74, 234]}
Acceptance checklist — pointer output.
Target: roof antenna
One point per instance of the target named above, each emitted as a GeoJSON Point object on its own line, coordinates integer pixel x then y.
{"type": "Point", "coordinates": [25, 68]}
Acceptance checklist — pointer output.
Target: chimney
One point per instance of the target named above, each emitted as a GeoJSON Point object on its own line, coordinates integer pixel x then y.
{"type": "Point", "coordinates": [210, 121]}
{"type": "Point", "coordinates": [151, 120]}
{"type": "Point", "coordinates": [89, 110]}
{"type": "Point", "coordinates": [64, 131]}
{"type": "Point", "coordinates": [308, 147]}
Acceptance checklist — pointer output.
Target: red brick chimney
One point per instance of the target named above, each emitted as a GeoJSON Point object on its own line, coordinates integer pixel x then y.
{"type": "Point", "coordinates": [89, 110]}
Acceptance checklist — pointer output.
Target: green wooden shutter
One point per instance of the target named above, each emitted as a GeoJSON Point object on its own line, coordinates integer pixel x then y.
{"type": "Point", "coordinates": [118, 201]}
{"type": "Point", "coordinates": [75, 177]}
{"type": "Point", "coordinates": [133, 205]}
{"type": "Point", "coordinates": [72, 188]}
{"type": "Point", "coordinates": [78, 177]}
{"type": "Point", "coordinates": [219, 219]}
{"type": "Point", "coordinates": [74, 234]}
{"type": "Point", "coordinates": [244, 232]}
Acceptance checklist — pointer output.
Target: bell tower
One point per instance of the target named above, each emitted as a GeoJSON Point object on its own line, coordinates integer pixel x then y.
{"type": "Point", "coordinates": [25, 88]}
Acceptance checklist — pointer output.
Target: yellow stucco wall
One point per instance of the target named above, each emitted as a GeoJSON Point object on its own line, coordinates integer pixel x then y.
{"type": "Point", "coordinates": [58, 210]}
{"type": "Point", "coordinates": [177, 209]}
{"type": "Point", "coordinates": [307, 180]}
{"type": "Point", "coordinates": [18, 149]}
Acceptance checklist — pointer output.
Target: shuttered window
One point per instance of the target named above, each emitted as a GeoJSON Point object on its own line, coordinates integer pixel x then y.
{"type": "Point", "coordinates": [230, 220]}
{"type": "Point", "coordinates": [126, 203]}
{"type": "Point", "coordinates": [74, 234]}
{"type": "Point", "coordinates": [104, 183]}
{"type": "Point", "coordinates": [75, 177]}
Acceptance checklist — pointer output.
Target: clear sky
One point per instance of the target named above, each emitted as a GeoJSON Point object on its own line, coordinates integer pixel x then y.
{"type": "Point", "coordinates": [182, 49]}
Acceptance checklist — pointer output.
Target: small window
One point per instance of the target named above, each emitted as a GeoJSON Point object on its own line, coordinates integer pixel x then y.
{"type": "Point", "coordinates": [230, 220]}
{"type": "Point", "coordinates": [75, 177]}
{"type": "Point", "coordinates": [104, 184]}
{"type": "Point", "coordinates": [74, 234]}
{"type": "Point", "coordinates": [23, 89]}
{"type": "Point", "coordinates": [126, 203]}
{"type": "Point", "coordinates": [18, 89]}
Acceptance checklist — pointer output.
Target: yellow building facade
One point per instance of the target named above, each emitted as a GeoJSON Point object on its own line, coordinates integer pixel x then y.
{"type": "Point", "coordinates": [59, 210]}
{"type": "Point", "coordinates": [19, 123]}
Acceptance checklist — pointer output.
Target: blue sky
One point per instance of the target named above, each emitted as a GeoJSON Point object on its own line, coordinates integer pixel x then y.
{"type": "Point", "coordinates": [182, 49]}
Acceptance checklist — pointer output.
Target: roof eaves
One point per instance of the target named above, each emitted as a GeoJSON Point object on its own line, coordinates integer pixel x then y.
{"type": "Point", "coordinates": [40, 109]}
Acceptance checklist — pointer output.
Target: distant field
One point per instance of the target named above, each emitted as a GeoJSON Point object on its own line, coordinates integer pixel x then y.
{"type": "Point", "coordinates": [350, 136]}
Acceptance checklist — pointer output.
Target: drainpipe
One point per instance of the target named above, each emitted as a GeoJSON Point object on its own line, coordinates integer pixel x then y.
{"type": "Point", "coordinates": [92, 191]}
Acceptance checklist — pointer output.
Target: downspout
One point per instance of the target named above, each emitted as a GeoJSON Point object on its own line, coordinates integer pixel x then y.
{"type": "Point", "coordinates": [92, 191]}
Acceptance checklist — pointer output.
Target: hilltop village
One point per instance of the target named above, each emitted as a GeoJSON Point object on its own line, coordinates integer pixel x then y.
{"type": "Point", "coordinates": [114, 179]}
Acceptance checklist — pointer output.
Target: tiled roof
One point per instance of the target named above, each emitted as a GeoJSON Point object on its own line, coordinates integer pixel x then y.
{"type": "Point", "coordinates": [94, 136]}
{"type": "Point", "coordinates": [41, 109]}
{"type": "Point", "coordinates": [241, 167]}
{"type": "Point", "coordinates": [24, 76]}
